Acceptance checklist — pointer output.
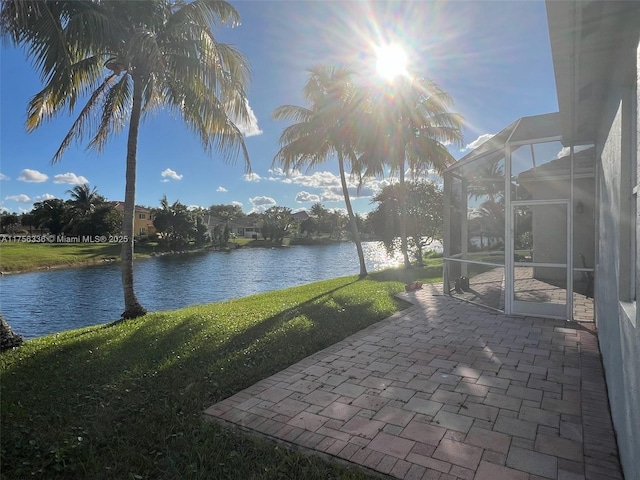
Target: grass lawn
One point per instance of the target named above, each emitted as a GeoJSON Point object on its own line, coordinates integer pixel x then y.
{"type": "Point", "coordinates": [126, 401]}
{"type": "Point", "coordinates": [16, 257]}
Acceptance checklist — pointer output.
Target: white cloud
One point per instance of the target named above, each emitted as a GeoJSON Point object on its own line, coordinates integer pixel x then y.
{"type": "Point", "coordinates": [329, 184]}
{"type": "Point", "coordinates": [478, 141]}
{"type": "Point", "coordinates": [251, 177]}
{"type": "Point", "coordinates": [194, 207]}
{"type": "Point", "coordinates": [42, 198]}
{"type": "Point", "coordinates": [331, 196]}
{"type": "Point", "coordinates": [21, 198]}
{"type": "Point", "coordinates": [235, 202]}
{"type": "Point", "coordinates": [565, 151]}
{"type": "Point", "coordinates": [32, 176]}
{"type": "Point", "coordinates": [70, 178]}
{"type": "Point", "coordinates": [221, 189]}
{"type": "Point", "coordinates": [4, 177]}
{"type": "Point", "coordinates": [260, 204]}
{"type": "Point", "coordinates": [303, 196]}
{"type": "Point", "coordinates": [169, 174]}
{"type": "Point", "coordinates": [3, 209]}
{"type": "Point", "coordinates": [250, 128]}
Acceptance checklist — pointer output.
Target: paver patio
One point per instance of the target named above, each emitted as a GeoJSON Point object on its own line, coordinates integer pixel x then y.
{"type": "Point", "coordinates": [445, 390]}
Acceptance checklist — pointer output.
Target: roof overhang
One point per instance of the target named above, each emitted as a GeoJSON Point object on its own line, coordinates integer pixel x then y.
{"type": "Point", "coordinates": [585, 37]}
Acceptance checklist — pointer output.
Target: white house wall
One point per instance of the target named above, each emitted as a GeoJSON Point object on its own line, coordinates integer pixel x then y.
{"type": "Point", "coordinates": [617, 321]}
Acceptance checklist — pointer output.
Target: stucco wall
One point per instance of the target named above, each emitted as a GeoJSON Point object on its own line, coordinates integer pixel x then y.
{"type": "Point", "coordinates": [618, 323]}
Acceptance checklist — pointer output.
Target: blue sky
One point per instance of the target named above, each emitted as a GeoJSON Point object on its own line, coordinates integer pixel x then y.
{"type": "Point", "coordinates": [493, 58]}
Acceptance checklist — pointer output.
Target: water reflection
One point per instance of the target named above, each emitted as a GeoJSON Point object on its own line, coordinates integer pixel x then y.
{"type": "Point", "coordinates": [39, 303]}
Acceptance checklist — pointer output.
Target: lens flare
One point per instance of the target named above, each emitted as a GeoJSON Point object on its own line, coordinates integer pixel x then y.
{"type": "Point", "coordinates": [391, 61]}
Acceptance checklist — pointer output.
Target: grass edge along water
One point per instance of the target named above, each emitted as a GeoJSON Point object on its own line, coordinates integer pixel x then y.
{"type": "Point", "coordinates": [125, 400]}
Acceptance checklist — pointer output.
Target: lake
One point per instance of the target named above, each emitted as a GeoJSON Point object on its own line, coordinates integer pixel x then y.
{"type": "Point", "coordinates": [43, 302]}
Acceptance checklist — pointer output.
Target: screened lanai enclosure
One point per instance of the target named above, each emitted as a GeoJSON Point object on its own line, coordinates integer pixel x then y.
{"type": "Point", "coordinates": [520, 223]}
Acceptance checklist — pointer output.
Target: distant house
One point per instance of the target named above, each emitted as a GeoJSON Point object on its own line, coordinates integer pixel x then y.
{"type": "Point", "coordinates": [142, 220]}
{"type": "Point", "coordinates": [563, 188]}
{"type": "Point", "coordinates": [246, 227]}
{"type": "Point", "coordinates": [300, 216]}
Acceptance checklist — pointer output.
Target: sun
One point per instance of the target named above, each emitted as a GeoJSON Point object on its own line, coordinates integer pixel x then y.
{"type": "Point", "coordinates": [391, 61]}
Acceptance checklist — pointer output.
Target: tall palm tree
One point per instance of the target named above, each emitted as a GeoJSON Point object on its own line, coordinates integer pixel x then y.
{"type": "Point", "coordinates": [83, 203]}
{"type": "Point", "coordinates": [85, 199]}
{"type": "Point", "coordinates": [325, 128]}
{"type": "Point", "coordinates": [407, 126]}
{"type": "Point", "coordinates": [130, 59]}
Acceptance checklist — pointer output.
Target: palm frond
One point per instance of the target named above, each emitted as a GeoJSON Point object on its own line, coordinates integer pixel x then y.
{"type": "Point", "coordinates": [82, 123]}
{"type": "Point", "coordinates": [115, 112]}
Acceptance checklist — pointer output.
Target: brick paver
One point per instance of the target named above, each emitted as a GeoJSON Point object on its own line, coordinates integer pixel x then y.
{"type": "Point", "coordinates": [445, 390]}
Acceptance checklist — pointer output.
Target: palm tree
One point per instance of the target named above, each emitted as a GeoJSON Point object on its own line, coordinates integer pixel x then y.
{"type": "Point", "coordinates": [83, 203]}
{"type": "Point", "coordinates": [85, 199]}
{"type": "Point", "coordinates": [407, 125]}
{"type": "Point", "coordinates": [323, 129]}
{"type": "Point", "coordinates": [130, 59]}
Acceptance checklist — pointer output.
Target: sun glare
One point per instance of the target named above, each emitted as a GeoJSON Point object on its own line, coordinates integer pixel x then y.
{"type": "Point", "coordinates": [391, 61]}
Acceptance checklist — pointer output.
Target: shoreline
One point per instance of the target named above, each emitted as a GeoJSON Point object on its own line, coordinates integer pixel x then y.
{"type": "Point", "coordinates": [116, 259]}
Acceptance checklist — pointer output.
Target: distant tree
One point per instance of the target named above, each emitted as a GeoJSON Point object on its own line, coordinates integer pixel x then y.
{"type": "Point", "coordinates": [423, 207]}
{"type": "Point", "coordinates": [336, 223]}
{"type": "Point", "coordinates": [277, 222]}
{"type": "Point", "coordinates": [85, 200]}
{"type": "Point", "coordinates": [175, 222]}
{"type": "Point", "coordinates": [200, 233]}
{"type": "Point", "coordinates": [318, 210]}
{"type": "Point", "coordinates": [227, 213]}
{"type": "Point", "coordinates": [9, 222]}
{"type": "Point", "coordinates": [29, 220]}
{"type": "Point", "coordinates": [104, 220]}
{"type": "Point", "coordinates": [51, 214]}
{"type": "Point", "coordinates": [309, 226]}
{"type": "Point", "coordinates": [81, 206]}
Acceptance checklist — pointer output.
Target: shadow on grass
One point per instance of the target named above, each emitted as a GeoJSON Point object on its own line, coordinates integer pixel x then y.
{"type": "Point", "coordinates": [133, 393]}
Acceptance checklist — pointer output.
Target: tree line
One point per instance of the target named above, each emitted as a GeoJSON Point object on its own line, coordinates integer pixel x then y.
{"type": "Point", "coordinates": [131, 59]}
{"type": "Point", "coordinates": [178, 227]}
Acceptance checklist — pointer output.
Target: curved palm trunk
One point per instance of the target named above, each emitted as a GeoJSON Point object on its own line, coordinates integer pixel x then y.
{"type": "Point", "coordinates": [132, 307]}
{"type": "Point", "coordinates": [403, 219]}
{"type": "Point", "coordinates": [352, 218]}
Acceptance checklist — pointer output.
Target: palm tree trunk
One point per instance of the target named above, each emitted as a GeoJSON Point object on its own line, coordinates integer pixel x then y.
{"type": "Point", "coordinates": [352, 217]}
{"type": "Point", "coordinates": [132, 308]}
{"type": "Point", "coordinates": [403, 219]}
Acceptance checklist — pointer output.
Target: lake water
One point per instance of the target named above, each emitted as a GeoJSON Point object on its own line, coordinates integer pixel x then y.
{"type": "Point", "coordinates": [40, 303]}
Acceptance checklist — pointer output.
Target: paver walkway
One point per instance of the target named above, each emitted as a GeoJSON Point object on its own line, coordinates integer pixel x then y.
{"type": "Point", "coordinates": [488, 288]}
{"type": "Point", "coordinates": [445, 390]}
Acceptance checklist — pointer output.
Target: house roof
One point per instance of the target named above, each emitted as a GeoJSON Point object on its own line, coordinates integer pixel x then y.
{"type": "Point", "coordinates": [584, 36]}
{"type": "Point", "coordinates": [300, 216]}
{"type": "Point", "coordinates": [244, 222]}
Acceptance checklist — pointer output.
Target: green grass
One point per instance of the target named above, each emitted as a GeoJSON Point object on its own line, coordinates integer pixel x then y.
{"type": "Point", "coordinates": [17, 257]}
{"type": "Point", "coordinates": [126, 401]}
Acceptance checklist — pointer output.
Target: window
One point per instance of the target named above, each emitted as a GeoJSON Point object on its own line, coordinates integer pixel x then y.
{"type": "Point", "coordinates": [142, 216]}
